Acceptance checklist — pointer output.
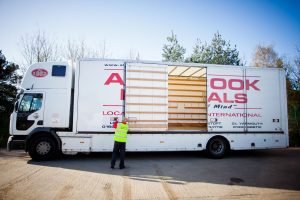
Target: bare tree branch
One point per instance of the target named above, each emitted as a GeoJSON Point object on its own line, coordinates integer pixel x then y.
{"type": "Point", "coordinates": [38, 48]}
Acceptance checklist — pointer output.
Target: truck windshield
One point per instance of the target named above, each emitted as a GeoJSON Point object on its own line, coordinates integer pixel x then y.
{"type": "Point", "coordinates": [31, 103]}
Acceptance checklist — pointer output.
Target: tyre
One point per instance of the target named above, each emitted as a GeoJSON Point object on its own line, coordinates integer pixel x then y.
{"type": "Point", "coordinates": [217, 147]}
{"type": "Point", "coordinates": [42, 148]}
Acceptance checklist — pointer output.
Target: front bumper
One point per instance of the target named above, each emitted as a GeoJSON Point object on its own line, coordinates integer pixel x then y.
{"type": "Point", "coordinates": [16, 142]}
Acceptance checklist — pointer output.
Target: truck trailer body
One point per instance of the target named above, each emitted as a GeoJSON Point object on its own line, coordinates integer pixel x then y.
{"type": "Point", "coordinates": [170, 107]}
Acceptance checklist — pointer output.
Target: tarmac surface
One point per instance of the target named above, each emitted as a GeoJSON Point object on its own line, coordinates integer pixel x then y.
{"type": "Point", "coordinates": [263, 174]}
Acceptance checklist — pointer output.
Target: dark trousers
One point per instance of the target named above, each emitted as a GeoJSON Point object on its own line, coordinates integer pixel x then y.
{"type": "Point", "coordinates": [119, 149]}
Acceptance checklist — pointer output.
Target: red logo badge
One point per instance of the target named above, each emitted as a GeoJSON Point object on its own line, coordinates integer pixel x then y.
{"type": "Point", "coordinates": [39, 73]}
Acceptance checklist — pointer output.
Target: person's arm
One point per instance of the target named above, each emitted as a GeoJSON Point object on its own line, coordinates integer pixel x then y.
{"type": "Point", "coordinates": [115, 124]}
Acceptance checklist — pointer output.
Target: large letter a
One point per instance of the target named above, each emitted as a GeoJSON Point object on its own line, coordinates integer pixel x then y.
{"type": "Point", "coordinates": [114, 78]}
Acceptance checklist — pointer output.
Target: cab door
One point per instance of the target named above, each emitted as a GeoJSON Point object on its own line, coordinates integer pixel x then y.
{"type": "Point", "coordinates": [29, 113]}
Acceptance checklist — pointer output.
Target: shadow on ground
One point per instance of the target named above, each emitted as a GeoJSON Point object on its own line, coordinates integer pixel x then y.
{"type": "Point", "coordinates": [278, 169]}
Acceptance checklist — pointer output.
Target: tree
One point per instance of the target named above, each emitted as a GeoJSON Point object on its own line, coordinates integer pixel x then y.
{"type": "Point", "coordinates": [38, 48]}
{"type": "Point", "coordinates": [294, 72]}
{"type": "Point", "coordinates": [265, 56]}
{"type": "Point", "coordinates": [75, 50]}
{"type": "Point", "coordinates": [8, 80]}
{"type": "Point", "coordinates": [173, 51]}
{"type": "Point", "coordinates": [100, 51]}
{"type": "Point", "coordinates": [217, 52]}
{"type": "Point", "coordinates": [134, 55]}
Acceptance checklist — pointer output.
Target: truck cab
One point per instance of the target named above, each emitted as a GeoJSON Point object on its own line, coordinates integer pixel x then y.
{"type": "Point", "coordinates": [42, 107]}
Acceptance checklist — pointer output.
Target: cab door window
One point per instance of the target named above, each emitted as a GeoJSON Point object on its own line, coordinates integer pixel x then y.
{"type": "Point", "coordinates": [30, 103]}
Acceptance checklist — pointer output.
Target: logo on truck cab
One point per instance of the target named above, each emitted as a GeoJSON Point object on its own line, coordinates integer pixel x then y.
{"type": "Point", "coordinates": [39, 73]}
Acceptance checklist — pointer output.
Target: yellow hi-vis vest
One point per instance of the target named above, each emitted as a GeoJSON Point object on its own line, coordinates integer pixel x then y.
{"type": "Point", "coordinates": [121, 132]}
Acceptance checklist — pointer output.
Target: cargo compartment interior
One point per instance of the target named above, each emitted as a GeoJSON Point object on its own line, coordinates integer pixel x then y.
{"type": "Point", "coordinates": [187, 106]}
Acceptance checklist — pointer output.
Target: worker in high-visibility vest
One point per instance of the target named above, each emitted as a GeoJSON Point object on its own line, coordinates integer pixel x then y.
{"type": "Point", "coordinates": [120, 139]}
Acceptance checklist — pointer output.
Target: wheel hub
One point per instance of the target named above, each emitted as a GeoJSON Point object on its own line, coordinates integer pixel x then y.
{"type": "Point", "coordinates": [43, 148]}
{"type": "Point", "coordinates": [217, 146]}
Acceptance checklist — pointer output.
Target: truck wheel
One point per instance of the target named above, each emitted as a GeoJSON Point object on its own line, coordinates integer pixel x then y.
{"type": "Point", "coordinates": [217, 147]}
{"type": "Point", "coordinates": [42, 148]}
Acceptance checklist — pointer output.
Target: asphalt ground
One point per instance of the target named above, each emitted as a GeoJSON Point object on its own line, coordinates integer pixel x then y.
{"type": "Point", "coordinates": [259, 174]}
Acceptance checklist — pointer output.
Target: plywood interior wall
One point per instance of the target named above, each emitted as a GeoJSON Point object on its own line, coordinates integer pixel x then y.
{"type": "Point", "coordinates": [187, 103]}
{"type": "Point", "coordinates": [146, 98]}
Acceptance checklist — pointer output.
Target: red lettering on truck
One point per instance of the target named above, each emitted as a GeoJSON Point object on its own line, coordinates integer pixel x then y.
{"type": "Point", "coordinates": [214, 97]}
{"type": "Point", "coordinates": [112, 112]}
{"type": "Point", "coordinates": [122, 94]}
{"type": "Point", "coordinates": [231, 84]}
{"type": "Point", "coordinates": [218, 83]}
{"type": "Point", "coordinates": [241, 98]}
{"type": "Point", "coordinates": [236, 84]}
{"type": "Point", "coordinates": [248, 85]}
{"type": "Point", "coordinates": [114, 78]}
{"type": "Point", "coordinates": [238, 98]}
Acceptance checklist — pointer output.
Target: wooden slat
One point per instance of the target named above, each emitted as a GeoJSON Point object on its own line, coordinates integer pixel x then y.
{"type": "Point", "coordinates": [187, 113]}
{"type": "Point", "coordinates": [187, 118]}
{"type": "Point", "coordinates": [187, 124]}
{"type": "Point", "coordinates": [184, 87]}
{"type": "Point", "coordinates": [184, 90]}
{"type": "Point", "coordinates": [185, 101]}
{"type": "Point", "coordinates": [148, 125]}
{"type": "Point", "coordinates": [189, 121]}
{"type": "Point", "coordinates": [187, 92]}
{"type": "Point", "coordinates": [147, 71]}
{"type": "Point", "coordinates": [147, 79]}
{"type": "Point", "coordinates": [183, 110]}
{"type": "Point", "coordinates": [186, 84]}
{"type": "Point", "coordinates": [147, 96]}
{"type": "Point", "coordinates": [186, 95]}
{"type": "Point", "coordinates": [187, 128]}
{"type": "Point", "coordinates": [188, 99]}
{"type": "Point", "coordinates": [194, 107]}
{"type": "Point", "coordinates": [147, 120]}
{"type": "Point", "coordinates": [172, 106]}
{"type": "Point", "coordinates": [147, 88]}
{"type": "Point", "coordinates": [187, 78]}
{"type": "Point", "coordinates": [145, 112]}
{"type": "Point", "coordinates": [147, 104]}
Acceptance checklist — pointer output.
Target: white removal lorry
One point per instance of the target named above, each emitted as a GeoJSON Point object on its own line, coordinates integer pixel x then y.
{"type": "Point", "coordinates": [170, 107]}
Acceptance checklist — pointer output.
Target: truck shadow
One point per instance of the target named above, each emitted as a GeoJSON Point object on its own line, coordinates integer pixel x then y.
{"type": "Point", "coordinates": [278, 169]}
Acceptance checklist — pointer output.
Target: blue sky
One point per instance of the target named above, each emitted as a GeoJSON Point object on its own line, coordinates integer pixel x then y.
{"type": "Point", "coordinates": [142, 26]}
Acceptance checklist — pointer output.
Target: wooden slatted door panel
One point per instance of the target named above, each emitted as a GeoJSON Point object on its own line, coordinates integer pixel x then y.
{"type": "Point", "coordinates": [187, 103]}
{"type": "Point", "coordinates": [146, 97]}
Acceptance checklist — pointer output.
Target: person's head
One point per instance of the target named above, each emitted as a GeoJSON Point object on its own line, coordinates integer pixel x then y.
{"type": "Point", "coordinates": [124, 120]}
